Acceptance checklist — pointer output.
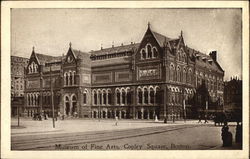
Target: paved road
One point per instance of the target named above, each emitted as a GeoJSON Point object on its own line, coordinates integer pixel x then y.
{"type": "Point", "coordinates": [49, 141]}
{"type": "Point", "coordinates": [167, 137]}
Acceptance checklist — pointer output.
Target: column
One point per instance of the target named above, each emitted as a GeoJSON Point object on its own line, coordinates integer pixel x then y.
{"type": "Point", "coordinates": [165, 102]}
{"type": "Point", "coordinates": [120, 114]}
{"type": "Point", "coordinates": [142, 113]}
{"type": "Point", "coordinates": [148, 114]}
{"type": "Point", "coordinates": [106, 114]}
{"type": "Point", "coordinates": [134, 101]}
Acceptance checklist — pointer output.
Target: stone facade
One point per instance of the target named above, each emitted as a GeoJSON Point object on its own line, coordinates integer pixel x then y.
{"type": "Point", "coordinates": [156, 77]}
{"type": "Point", "coordinates": [18, 65]}
{"type": "Point", "coordinates": [233, 98]}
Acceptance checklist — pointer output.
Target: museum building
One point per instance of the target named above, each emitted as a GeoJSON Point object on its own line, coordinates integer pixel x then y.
{"type": "Point", "coordinates": [156, 77]}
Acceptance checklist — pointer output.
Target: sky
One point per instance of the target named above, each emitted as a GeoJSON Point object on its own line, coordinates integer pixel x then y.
{"type": "Point", "coordinates": [51, 30]}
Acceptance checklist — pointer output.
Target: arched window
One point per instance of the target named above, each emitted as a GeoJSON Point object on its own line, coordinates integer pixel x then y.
{"type": "Point", "coordinates": [28, 99]}
{"type": "Point", "coordinates": [74, 78]}
{"type": "Point", "coordinates": [151, 94]}
{"type": "Point", "coordinates": [85, 97]}
{"type": "Point", "coordinates": [184, 79]}
{"type": "Point", "coordinates": [74, 104]}
{"type": "Point", "coordinates": [155, 52]}
{"type": "Point", "coordinates": [67, 105]}
{"type": "Point", "coordinates": [109, 97]}
{"type": "Point", "coordinates": [95, 97]}
{"type": "Point", "coordinates": [149, 51]}
{"type": "Point", "coordinates": [172, 72]}
{"type": "Point", "coordinates": [129, 97]}
{"type": "Point", "coordinates": [118, 97]}
{"type": "Point", "coordinates": [145, 91]}
{"type": "Point", "coordinates": [143, 52]}
{"type": "Point", "coordinates": [184, 57]}
{"type": "Point", "coordinates": [178, 56]}
{"type": "Point", "coordinates": [139, 91]}
{"type": "Point", "coordinates": [70, 78]}
{"type": "Point", "coordinates": [104, 97]}
{"type": "Point", "coordinates": [158, 95]}
{"type": "Point", "coordinates": [100, 97]}
{"type": "Point", "coordinates": [178, 74]}
{"type": "Point", "coordinates": [123, 96]}
{"type": "Point", "coordinates": [190, 76]}
{"type": "Point", "coordinates": [66, 78]}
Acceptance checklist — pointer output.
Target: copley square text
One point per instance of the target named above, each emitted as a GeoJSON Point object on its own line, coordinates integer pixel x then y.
{"type": "Point", "coordinates": [147, 146]}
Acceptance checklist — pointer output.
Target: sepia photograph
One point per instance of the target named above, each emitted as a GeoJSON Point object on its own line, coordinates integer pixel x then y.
{"type": "Point", "coordinates": [109, 79]}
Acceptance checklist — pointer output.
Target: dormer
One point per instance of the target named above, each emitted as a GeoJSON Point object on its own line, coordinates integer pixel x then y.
{"type": "Point", "coordinates": [33, 65]}
{"type": "Point", "coordinates": [70, 57]}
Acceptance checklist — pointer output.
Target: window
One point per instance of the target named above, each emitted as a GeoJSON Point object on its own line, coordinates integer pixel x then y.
{"type": "Point", "coordinates": [95, 98]}
{"type": "Point", "coordinates": [178, 74]}
{"type": "Point", "coordinates": [85, 98]}
{"type": "Point", "coordinates": [149, 51]}
{"type": "Point", "coordinates": [109, 97]}
{"type": "Point", "coordinates": [123, 96]}
{"type": "Point", "coordinates": [144, 54]}
{"type": "Point", "coordinates": [151, 94]}
{"type": "Point", "coordinates": [104, 97]}
{"type": "Point", "coordinates": [184, 79]}
{"type": "Point", "coordinates": [118, 97]}
{"type": "Point", "coordinates": [139, 96]}
{"type": "Point", "coordinates": [172, 72]}
{"type": "Point", "coordinates": [155, 52]}
{"type": "Point", "coordinates": [145, 96]}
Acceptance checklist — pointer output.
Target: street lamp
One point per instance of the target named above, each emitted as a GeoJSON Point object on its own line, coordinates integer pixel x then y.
{"type": "Point", "coordinates": [51, 90]}
{"type": "Point", "coordinates": [184, 108]}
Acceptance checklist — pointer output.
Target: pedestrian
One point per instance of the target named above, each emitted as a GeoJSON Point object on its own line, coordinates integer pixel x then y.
{"type": "Point", "coordinates": [199, 117]}
{"type": "Point", "coordinates": [206, 119]}
{"type": "Point", "coordinates": [156, 118]}
{"type": "Point", "coordinates": [238, 136]}
{"type": "Point", "coordinates": [226, 136]}
{"type": "Point", "coordinates": [116, 120]}
{"type": "Point", "coordinates": [59, 115]}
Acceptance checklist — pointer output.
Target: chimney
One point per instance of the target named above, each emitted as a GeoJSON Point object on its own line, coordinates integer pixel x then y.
{"type": "Point", "coordinates": [131, 43]}
{"type": "Point", "coordinates": [101, 47]}
{"type": "Point", "coordinates": [213, 54]}
{"type": "Point", "coordinates": [122, 44]}
{"type": "Point", "coordinates": [113, 44]}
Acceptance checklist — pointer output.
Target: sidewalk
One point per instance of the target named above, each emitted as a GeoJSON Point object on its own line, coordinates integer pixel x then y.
{"type": "Point", "coordinates": [29, 126]}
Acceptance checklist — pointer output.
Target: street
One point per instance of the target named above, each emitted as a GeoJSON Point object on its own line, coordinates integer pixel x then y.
{"type": "Point", "coordinates": [77, 134]}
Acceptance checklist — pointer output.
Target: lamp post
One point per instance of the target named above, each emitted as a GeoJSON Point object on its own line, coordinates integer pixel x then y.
{"type": "Point", "coordinates": [184, 108]}
{"type": "Point", "coordinates": [51, 90]}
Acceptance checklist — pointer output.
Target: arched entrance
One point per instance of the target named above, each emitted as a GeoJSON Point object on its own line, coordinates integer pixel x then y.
{"type": "Point", "coordinates": [67, 105]}
{"type": "Point", "coordinates": [73, 101]}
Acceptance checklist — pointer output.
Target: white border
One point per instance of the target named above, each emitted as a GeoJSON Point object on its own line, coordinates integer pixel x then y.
{"type": "Point", "coordinates": [5, 79]}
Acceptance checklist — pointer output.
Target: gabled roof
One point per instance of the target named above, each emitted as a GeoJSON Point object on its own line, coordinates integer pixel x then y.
{"type": "Point", "coordinates": [116, 49]}
{"type": "Point", "coordinates": [42, 58]}
{"type": "Point", "coordinates": [160, 38]}
{"type": "Point", "coordinates": [199, 61]}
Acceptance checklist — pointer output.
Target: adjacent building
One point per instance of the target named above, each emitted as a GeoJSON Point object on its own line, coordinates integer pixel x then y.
{"type": "Point", "coordinates": [233, 98]}
{"type": "Point", "coordinates": [18, 65]}
{"type": "Point", "coordinates": [159, 76]}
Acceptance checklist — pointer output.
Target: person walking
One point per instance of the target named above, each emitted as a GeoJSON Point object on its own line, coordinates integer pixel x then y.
{"type": "Point", "coordinates": [116, 121]}
{"type": "Point", "coordinates": [199, 117]}
{"type": "Point", "coordinates": [226, 136]}
{"type": "Point", "coordinates": [206, 119]}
